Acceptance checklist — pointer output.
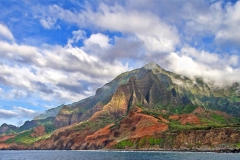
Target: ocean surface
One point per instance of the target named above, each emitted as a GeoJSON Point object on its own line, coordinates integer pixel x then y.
{"type": "Point", "coordinates": [115, 155]}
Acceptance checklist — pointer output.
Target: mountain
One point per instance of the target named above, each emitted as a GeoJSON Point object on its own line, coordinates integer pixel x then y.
{"type": "Point", "coordinates": [148, 107]}
{"type": "Point", "coordinates": [154, 87]}
{"type": "Point", "coordinates": [49, 113]}
{"type": "Point", "coordinates": [8, 129]}
{"type": "Point", "coordinates": [11, 129]}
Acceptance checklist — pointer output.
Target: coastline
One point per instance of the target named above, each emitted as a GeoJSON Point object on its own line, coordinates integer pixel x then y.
{"type": "Point", "coordinates": [233, 150]}
{"type": "Point", "coordinates": [230, 150]}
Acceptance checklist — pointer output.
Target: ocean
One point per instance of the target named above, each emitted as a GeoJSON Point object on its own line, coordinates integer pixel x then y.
{"type": "Point", "coordinates": [115, 155]}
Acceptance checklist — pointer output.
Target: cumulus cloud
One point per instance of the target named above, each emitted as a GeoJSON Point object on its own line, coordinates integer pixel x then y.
{"type": "Point", "coordinates": [97, 39]}
{"type": "Point", "coordinates": [56, 72]}
{"type": "Point", "coordinates": [144, 26]}
{"type": "Point", "coordinates": [201, 56]}
{"type": "Point", "coordinates": [155, 34]}
{"type": "Point", "coordinates": [5, 32]}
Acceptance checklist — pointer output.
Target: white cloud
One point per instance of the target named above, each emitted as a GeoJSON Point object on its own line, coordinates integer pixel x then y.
{"type": "Point", "coordinates": [233, 60]}
{"type": "Point", "coordinates": [218, 72]}
{"type": "Point", "coordinates": [97, 39]}
{"type": "Point", "coordinates": [7, 113]}
{"type": "Point", "coordinates": [21, 53]}
{"type": "Point", "coordinates": [16, 94]}
{"type": "Point", "coordinates": [5, 32]}
{"type": "Point", "coordinates": [155, 34]}
{"type": "Point", "coordinates": [47, 23]}
{"type": "Point", "coordinates": [77, 35]}
{"type": "Point", "coordinates": [202, 18]}
{"type": "Point", "coordinates": [16, 76]}
{"type": "Point", "coordinates": [230, 31]}
{"type": "Point", "coordinates": [55, 72]}
{"type": "Point", "coordinates": [17, 115]}
{"type": "Point", "coordinates": [24, 112]}
{"type": "Point", "coordinates": [208, 58]}
{"type": "Point", "coordinates": [200, 56]}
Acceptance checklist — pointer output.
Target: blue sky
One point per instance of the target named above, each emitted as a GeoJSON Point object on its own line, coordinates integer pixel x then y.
{"type": "Point", "coordinates": [57, 52]}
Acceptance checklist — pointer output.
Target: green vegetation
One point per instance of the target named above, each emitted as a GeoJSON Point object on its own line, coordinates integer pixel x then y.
{"type": "Point", "coordinates": [49, 128]}
{"type": "Point", "coordinates": [123, 144]}
{"type": "Point", "coordinates": [34, 123]}
{"type": "Point", "coordinates": [143, 142]}
{"type": "Point", "coordinates": [149, 141]}
{"type": "Point", "coordinates": [179, 109]}
{"type": "Point", "coordinates": [234, 97]}
{"type": "Point", "coordinates": [153, 141]}
{"type": "Point", "coordinates": [216, 121]}
{"type": "Point", "coordinates": [218, 118]}
{"type": "Point", "coordinates": [188, 109]}
{"type": "Point", "coordinates": [25, 138]}
{"type": "Point", "coordinates": [183, 109]}
{"type": "Point", "coordinates": [93, 125]}
{"type": "Point", "coordinates": [176, 126]}
{"type": "Point", "coordinates": [237, 145]}
{"type": "Point", "coordinates": [206, 124]}
{"type": "Point", "coordinates": [151, 113]}
{"type": "Point", "coordinates": [11, 131]}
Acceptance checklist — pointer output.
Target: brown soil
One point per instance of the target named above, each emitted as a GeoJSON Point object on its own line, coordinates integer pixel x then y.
{"type": "Point", "coordinates": [186, 119]}
{"type": "Point", "coordinates": [38, 131]}
{"type": "Point", "coordinates": [3, 146]}
{"type": "Point", "coordinates": [4, 138]}
{"type": "Point", "coordinates": [140, 125]}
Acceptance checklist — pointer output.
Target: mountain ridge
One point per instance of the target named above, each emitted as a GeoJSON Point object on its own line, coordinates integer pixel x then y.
{"type": "Point", "coordinates": [110, 87]}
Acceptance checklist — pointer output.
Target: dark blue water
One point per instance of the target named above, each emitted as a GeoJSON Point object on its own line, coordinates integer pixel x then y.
{"type": "Point", "coordinates": [114, 155]}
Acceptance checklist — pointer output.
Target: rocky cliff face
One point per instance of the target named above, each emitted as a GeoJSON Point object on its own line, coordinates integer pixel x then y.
{"type": "Point", "coordinates": [218, 138]}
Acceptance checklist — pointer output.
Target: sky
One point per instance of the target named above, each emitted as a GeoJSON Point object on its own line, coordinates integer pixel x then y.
{"type": "Point", "coordinates": [57, 52]}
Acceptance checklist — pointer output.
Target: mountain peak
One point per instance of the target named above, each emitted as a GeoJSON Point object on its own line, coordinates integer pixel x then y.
{"type": "Point", "coordinates": [153, 66]}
